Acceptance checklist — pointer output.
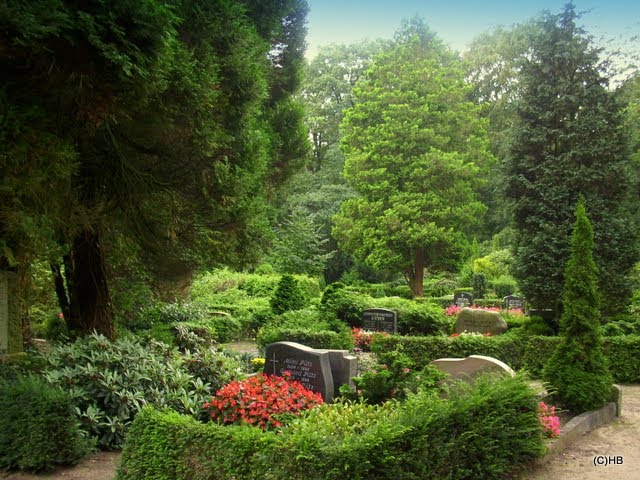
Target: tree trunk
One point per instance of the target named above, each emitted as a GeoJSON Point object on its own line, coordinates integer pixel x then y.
{"type": "Point", "coordinates": [415, 274]}
{"type": "Point", "coordinates": [89, 301]}
{"type": "Point", "coordinates": [61, 292]}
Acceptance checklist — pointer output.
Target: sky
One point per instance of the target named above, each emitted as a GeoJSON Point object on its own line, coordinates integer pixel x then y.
{"type": "Point", "coordinates": [457, 22]}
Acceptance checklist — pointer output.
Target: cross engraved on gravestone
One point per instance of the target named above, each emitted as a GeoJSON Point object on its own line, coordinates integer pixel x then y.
{"type": "Point", "coordinates": [462, 299]}
{"type": "Point", "coordinates": [274, 361]}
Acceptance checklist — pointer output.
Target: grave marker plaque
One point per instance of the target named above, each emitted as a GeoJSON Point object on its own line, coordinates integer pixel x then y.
{"type": "Point", "coordinates": [462, 299]}
{"type": "Point", "coordinates": [307, 365]}
{"type": "Point", "coordinates": [512, 301]}
{"type": "Point", "coordinates": [380, 320]}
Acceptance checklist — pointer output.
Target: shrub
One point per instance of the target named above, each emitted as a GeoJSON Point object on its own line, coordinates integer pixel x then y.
{"type": "Point", "coordinates": [261, 400]}
{"type": "Point", "coordinates": [311, 338]}
{"type": "Point", "coordinates": [577, 372]}
{"type": "Point", "coordinates": [287, 296]}
{"type": "Point", "coordinates": [343, 304]}
{"type": "Point", "coordinates": [423, 437]}
{"type": "Point", "coordinates": [504, 285]}
{"type": "Point", "coordinates": [111, 381]}
{"type": "Point", "coordinates": [479, 283]}
{"type": "Point", "coordinates": [38, 426]}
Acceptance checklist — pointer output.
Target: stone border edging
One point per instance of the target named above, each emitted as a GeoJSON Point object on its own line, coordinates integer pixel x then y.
{"type": "Point", "coordinates": [582, 424]}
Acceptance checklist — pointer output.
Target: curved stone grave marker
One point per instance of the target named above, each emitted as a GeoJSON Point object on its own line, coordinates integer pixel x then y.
{"type": "Point", "coordinates": [470, 367]}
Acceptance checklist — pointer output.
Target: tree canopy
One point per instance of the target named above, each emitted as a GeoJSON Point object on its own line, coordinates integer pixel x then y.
{"type": "Point", "coordinates": [413, 144]}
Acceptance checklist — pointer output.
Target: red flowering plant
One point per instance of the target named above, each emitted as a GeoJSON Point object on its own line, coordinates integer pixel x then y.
{"type": "Point", "coordinates": [363, 339]}
{"type": "Point", "coordinates": [260, 399]}
{"type": "Point", "coordinates": [549, 420]}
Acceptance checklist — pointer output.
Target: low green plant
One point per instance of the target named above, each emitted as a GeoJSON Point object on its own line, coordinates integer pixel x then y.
{"type": "Point", "coordinates": [110, 382]}
{"type": "Point", "coordinates": [38, 426]}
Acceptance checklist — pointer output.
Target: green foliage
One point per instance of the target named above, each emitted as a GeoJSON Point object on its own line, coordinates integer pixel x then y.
{"type": "Point", "coordinates": [110, 382]}
{"type": "Point", "coordinates": [577, 372]}
{"type": "Point", "coordinates": [306, 327]}
{"type": "Point", "coordinates": [393, 377]}
{"type": "Point", "coordinates": [38, 427]}
{"type": "Point", "coordinates": [408, 158]}
{"type": "Point", "coordinates": [424, 437]}
{"type": "Point", "coordinates": [479, 284]}
{"type": "Point", "coordinates": [287, 296]}
{"type": "Point", "coordinates": [568, 141]}
{"type": "Point", "coordinates": [504, 285]}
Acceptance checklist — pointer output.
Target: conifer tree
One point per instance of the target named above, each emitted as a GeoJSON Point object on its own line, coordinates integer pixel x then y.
{"type": "Point", "coordinates": [577, 372]}
{"type": "Point", "coordinates": [568, 140]}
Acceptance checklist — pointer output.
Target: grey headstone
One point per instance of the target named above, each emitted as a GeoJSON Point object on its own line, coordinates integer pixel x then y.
{"type": "Point", "coordinates": [513, 301]}
{"type": "Point", "coordinates": [462, 299]}
{"type": "Point", "coordinates": [4, 312]}
{"type": "Point", "coordinates": [472, 320]}
{"type": "Point", "coordinates": [470, 367]}
{"type": "Point", "coordinates": [343, 368]}
{"type": "Point", "coordinates": [380, 320]}
{"type": "Point", "coordinates": [310, 367]}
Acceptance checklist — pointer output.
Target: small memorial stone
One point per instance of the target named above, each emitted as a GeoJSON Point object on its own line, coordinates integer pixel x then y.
{"type": "Point", "coordinates": [511, 302]}
{"type": "Point", "coordinates": [472, 366]}
{"type": "Point", "coordinates": [380, 320]}
{"type": "Point", "coordinates": [472, 320]}
{"type": "Point", "coordinates": [462, 299]}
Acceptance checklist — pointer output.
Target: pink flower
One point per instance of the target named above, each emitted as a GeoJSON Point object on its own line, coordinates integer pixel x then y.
{"type": "Point", "coordinates": [61, 315]}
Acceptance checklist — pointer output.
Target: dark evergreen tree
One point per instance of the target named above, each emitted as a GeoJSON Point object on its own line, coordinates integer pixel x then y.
{"type": "Point", "coordinates": [568, 140]}
{"type": "Point", "coordinates": [287, 295]}
{"type": "Point", "coordinates": [577, 372]}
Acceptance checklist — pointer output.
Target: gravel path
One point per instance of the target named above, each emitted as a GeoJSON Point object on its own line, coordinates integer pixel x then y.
{"type": "Point", "coordinates": [621, 438]}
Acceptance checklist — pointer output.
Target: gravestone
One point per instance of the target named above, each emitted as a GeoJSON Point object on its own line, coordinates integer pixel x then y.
{"type": "Point", "coordinates": [462, 299]}
{"type": "Point", "coordinates": [513, 301]}
{"type": "Point", "coordinates": [470, 367]}
{"type": "Point", "coordinates": [380, 320]}
{"type": "Point", "coordinates": [319, 370]}
{"type": "Point", "coordinates": [475, 320]}
{"type": "Point", "coordinates": [10, 323]}
{"type": "Point", "coordinates": [4, 313]}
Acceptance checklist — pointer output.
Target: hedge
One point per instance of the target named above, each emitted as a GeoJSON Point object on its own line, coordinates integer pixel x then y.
{"type": "Point", "coordinates": [517, 351]}
{"type": "Point", "coordinates": [310, 338]}
{"type": "Point", "coordinates": [477, 433]}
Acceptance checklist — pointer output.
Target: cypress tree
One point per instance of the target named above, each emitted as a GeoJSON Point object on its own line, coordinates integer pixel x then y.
{"type": "Point", "coordinates": [568, 140]}
{"type": "Point", "coordinates": [577, 372]}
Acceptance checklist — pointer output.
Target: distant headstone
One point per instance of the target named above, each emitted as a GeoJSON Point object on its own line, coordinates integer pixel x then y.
{"type": "Point", "coordinates": [511, 302]}
{"type": "Point", "coordinates": [319, 370]}
{"type": "Point", "coordinates": [4, 313]}
{"type": "Point", "coordinates": [470, 367]}
{"type": "Point", "coordinates": [380, 320]}
{"type": "Point", "coordinates": [462, 299]}
{"type": "Point", "coordinates": [475, 320]}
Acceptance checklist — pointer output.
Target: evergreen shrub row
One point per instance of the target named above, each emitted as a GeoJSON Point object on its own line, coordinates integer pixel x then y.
{"type": "Point", "coordinates": [38, 426]}
{"type": "Point", "coordinates": [425, 437]}
{"type": "Point", "coordinates": [517, 351]}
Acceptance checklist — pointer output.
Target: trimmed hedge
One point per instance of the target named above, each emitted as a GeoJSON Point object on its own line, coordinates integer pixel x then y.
{"type": "Point", "coordinates": [310, 338]}
{"type": "Point", "coordinates": [517, 351]}
{"type": "Point", "coordinates": [478, 433]}
{"type": "Point", "coordinates": [38, 427]}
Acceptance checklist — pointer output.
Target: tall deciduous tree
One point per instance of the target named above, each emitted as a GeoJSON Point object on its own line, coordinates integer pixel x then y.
{"type": "Point", "coordinates": [568, 140]}
{"type": "Point", "coordinates": [412, 145]}
{"type": "Point", "coordinates": [577, 372]}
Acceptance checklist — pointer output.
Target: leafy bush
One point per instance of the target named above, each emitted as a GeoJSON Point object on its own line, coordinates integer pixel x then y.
{"type": "Point", "coordinates": [311, 338]}
{"type": "Point", "coordinates": [504, 285]}
{"type": "Point", "coordinates": [340, 303]}
{"type": "Point", "coordinates": [287, 296]}
{"type": "Point", "coordinates": [261, 400]}
{"type": "Point", "coordinates": [38, 426]}
{"type": "Point", "coordinates": [479, 283]}
{"type": "Point", "coordinates": [423, 437]}
{"type": "Point", "coordinates": [110, 382]}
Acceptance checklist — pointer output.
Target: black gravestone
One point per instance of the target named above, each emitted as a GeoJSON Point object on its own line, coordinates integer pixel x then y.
{"type": "Point", "coordinates": [462, 299]}
{"type": "Point", "coordinates": [513, 301]}
{"type": "Point", "coordinates": [307, 365]}
{"type": "Point", "coordinates": [380, 320]}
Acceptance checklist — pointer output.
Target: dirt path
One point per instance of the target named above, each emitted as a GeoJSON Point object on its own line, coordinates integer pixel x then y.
{"type": "Point", "coordinates": [620, 438]}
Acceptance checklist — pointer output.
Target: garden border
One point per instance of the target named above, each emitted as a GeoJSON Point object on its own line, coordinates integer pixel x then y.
{"type": "Point", "coordinates": [582, 424]}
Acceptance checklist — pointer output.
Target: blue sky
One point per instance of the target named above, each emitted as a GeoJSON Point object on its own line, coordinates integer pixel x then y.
{"type": "Point", "coordinates": [456, 21]}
